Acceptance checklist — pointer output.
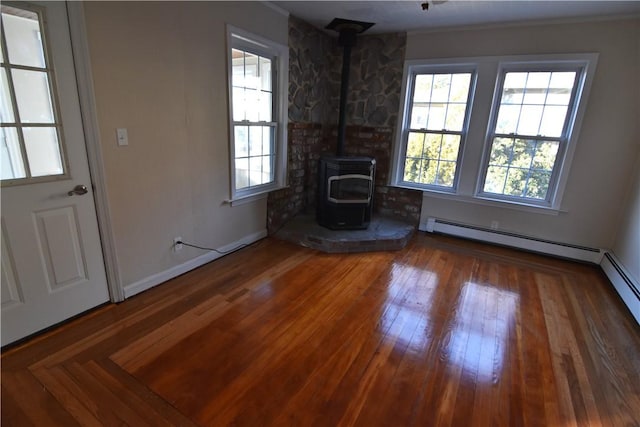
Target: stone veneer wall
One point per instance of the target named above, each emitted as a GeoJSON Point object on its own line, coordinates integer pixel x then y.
{"type": "Point", "coordinates": [309, 90]}
{"type": "Point", "coordinates": [372, 113]}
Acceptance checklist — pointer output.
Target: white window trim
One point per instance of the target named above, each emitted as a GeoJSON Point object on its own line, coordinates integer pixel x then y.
{"type": "Point", "coordinates": [241, 39]}
{"type": "Point", "coordinates": [472, 163]}
{"type": "Point", "coordinates": [586, 62]}
{"type": "Point", "coordinates": [411, 69]}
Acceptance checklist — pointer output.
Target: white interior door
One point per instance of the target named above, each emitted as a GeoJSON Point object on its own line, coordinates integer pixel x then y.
{"type": "Point", "coordinates": [52, 266]}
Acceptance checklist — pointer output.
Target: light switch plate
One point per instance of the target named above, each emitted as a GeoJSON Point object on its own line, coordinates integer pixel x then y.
{"type": "Point", "coordinates": [123, 137]}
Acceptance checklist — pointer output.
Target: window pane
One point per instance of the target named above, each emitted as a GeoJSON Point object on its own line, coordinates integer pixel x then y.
{"type": "Point", "coordinates": [523, 151]}
{"type": "Point", "coordinates": [446, 172]}
{"type": "Point", "coordinates": [513, 89]}
{"type": "Point", "coordinates": [432, 146]}
{"type": "Point", "coordinates": [237, 68]}
{"type": "Point", "coordinates": [516, 179]}
{"type": "Point", "coordinates": [441, 86]}
{"type": "Point", "coordinates": [429, 172]}
{"type": "Point", "coordinates": [242, 173]}
{"type": "Point", "coordinates": [24, 41]}
{"type": "Point", "coordinates": [241, 139]}
{"type": "Point", "coordinates": [545, 156]}
{"type": "Point", "coordinates": [267, 169]}
{"type": "Point", "coordinates": [450, 147]}
{"type": "Point", "coordinates": [268, 140]}
{"type": "Point", "coordinates": [239, 103]}
{"type": "Point", "coordinates": [422, 90]}
{"type": "Point", "coordinates": [431, 158]}
{"type": "Point", "coordinates": [538, 185]}
{"type": "Point", "coordinates": [264, 107]}
{"type": "Point", "coordinates": [560, 88]}
{"type": "Point", "coordinates": [437, 114]}
{"type": "Point", "coordinates": [496, 176]}
{"type": "Point", "coordinates": [536, 91]}
{"type": "Point", "coordinates": [419, 114]}
{"type": "Point", "coordinates": [255, 141]}
{"type": "Point", "coordinates": [11, 157]}
{"type": "Point", "coordinates": [530, 117]}
{"type": "Point", "coordinates": [455, 117]}
{"type": "Point", "coordinates": [460, 84]}
{"type": "Point", "coordinates": [440, 101]}
{"type": "Point", "coordinates": [6, 110]}
{"type": "Point", "coordinates": [415, 144]}
{"type": "Point", "coordinates": [553, 120]}
{"type": "Point", "coordinates": [411, 170]}
{"type": "Point", "coordinates": [252, 105]}
{"type": "Point", "coordinates": [508, 118]}
{"type": "Point", "coordinates": [43, 151]}
{"type": "Point", "coordinates": [33, 96]}
{"type": "Point", "coordinates": [265, 74]}
{"type": "Point", "coordinates": [501, 151]}
{"type": "Point", "coordinates": [251, 75]}
{"type": "Point", "coordinates": [255, 171]}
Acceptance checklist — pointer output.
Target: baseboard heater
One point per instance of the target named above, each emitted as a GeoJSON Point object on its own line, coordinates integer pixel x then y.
{"type": "Point", "coordinates": [504, 238]}
{"type": "Point", "coordinates": [627, 288]}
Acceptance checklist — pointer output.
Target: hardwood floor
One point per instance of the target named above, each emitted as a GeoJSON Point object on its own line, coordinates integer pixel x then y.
{"type": "Point", "coordinates": [445, 332]}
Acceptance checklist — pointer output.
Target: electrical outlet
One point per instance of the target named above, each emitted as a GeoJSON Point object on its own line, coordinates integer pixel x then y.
{"type": "Point", "coordinates": [177, 244]}
{"type": "Point", "coordinates": [495, 225]}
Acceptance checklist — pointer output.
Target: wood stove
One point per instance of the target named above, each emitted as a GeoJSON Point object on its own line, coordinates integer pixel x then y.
{"type": "Point", "coordinates": [345, 183]}
{"type": "Point", "coordinates": [345, 192]}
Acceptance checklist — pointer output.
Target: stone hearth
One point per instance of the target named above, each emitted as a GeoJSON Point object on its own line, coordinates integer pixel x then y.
{"type": "Point", "coordinates": [383, 234]}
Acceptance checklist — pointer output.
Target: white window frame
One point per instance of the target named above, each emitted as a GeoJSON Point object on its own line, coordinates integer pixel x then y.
{"type": "Point", "coordinates": [411, 70]}
{"type": "Point", "coordinates": [279, 53]}
{"type": "Point", "coordinates": [481, 121]}
{"type": "Point", "coordinates": [584, 65]}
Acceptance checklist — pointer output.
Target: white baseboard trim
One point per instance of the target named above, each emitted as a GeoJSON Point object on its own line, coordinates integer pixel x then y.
{"type": "Point", "coordinates": [564, 250]}
{"type": "Point", "coordinates": [158, 278]}
{"type": "Point", "coordinates": [625, 285]}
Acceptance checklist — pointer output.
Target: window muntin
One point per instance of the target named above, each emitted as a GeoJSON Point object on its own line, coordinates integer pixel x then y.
{"type": "Point", "coordinates": [257, 114]}
{"type": "Point", "coordinates": [437, 120]}
{"type": "Point", "coordinates": [534, 111]}
{"type": "Point", "coordinates": [31, 139]}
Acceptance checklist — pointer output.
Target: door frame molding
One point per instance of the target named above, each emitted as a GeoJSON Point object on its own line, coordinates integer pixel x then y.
{"type": "Point", "coordinates": [86, 95]}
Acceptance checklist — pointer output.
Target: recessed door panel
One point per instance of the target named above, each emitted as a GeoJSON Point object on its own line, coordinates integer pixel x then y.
{"type": "Point", "coordinates": [11, 292]}
{"type": "Point", "coordinates": [60, 247]}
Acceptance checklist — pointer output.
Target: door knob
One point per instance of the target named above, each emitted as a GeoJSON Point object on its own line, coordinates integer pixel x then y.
{"type": "Point", "coordinates": [78, 190]}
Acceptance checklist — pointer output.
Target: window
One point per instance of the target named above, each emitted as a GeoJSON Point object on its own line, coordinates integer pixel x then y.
{"type": "Point", "coordinates": [435, 125]}
{"type": "Point", "coordinates": [30, 142]}
{"type": "Point", "coordinates": [534, 107]}
{"type": "Point", "coordinates": [258, 113]}
{"type": "Point", "coordinates": [514, 148]}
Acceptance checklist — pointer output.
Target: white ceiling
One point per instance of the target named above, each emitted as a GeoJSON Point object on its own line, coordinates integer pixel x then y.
{"type": "Point", "coordinates": [403, 15]}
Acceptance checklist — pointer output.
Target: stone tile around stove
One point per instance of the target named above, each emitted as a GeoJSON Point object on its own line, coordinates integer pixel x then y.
{"type": "Point", "coordinates": [383, 234]}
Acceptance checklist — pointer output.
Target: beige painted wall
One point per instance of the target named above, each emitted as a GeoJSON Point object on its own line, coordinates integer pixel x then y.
{"type": "Point", "coordinates": [627, 244]}
{"type": "Point", "coordinates": [159, 70]}
{"type": "Point", "coordinates": [608, 143]}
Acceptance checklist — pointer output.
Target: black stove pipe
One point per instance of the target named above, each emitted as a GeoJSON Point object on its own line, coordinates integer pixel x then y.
{"type": "Point", "coordinates": [347, 31]}
{"type": "Point", "coordinates": [347, 39]}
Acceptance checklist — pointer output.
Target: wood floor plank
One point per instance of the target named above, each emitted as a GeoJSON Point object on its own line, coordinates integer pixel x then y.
{"type": "Point", "coordinates": [445, 332]}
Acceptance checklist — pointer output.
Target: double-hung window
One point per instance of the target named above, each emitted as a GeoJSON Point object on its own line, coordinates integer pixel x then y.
{"type": "Point", "coordinates": [257, 93]}
{"type": "Point", "coordinates": [533, 115]}
{"type": "Point", "coordinates": [435, 125]}
{"type": "Point", "coordinates": [529, 128]}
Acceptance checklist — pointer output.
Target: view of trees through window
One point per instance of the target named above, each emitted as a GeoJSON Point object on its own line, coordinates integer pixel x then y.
{"type": "Point", "coordinates": [438, 109]}
{"type": "Point", "coordinates": [529, 130]}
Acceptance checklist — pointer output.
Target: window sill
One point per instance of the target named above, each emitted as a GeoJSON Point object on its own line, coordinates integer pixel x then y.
{"type": "Point", "coordinates": [486, 201]}
{"type": "Point", "coordinates": [250, 198]}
